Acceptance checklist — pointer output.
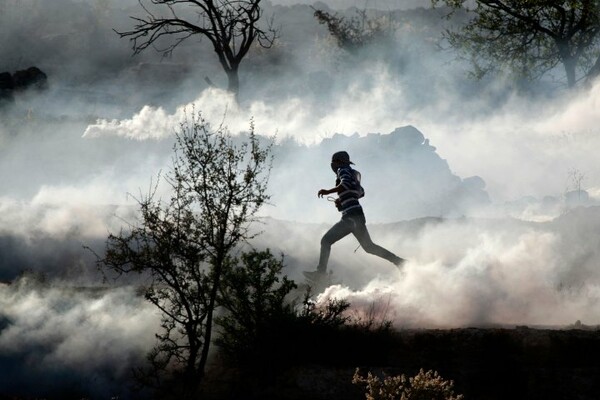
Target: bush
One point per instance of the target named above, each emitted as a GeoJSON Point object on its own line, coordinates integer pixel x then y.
{"type": "Point", "coordinates": [424, 386]}
{"type": "Point", "coordinates": [253, 296]}
{"type": "Point", "coordinates": [259, 321]}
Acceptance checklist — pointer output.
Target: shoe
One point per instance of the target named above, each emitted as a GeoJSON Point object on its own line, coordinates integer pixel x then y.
{"type": "Point", "coordinates": [315, 276]}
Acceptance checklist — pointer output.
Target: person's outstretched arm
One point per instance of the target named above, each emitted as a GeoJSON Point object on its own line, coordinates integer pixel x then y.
{"type": "Point", "coordinates": [324, 192]}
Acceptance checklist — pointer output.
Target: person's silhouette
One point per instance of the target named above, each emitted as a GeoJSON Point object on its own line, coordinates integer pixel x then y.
{"type": "Point", "coordinates": [349, 190]}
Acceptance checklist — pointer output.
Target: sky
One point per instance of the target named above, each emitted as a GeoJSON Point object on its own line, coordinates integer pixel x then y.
{"type": "Point", "coordinates": [73, 159]}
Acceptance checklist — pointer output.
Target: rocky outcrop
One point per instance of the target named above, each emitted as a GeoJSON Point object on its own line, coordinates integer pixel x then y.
{"type": "Point", "coordinates": [11, 84]}
{"type": "Point", "coordinates": [7, 86]}
{"type": "Point", "coordinates": [403, 175]}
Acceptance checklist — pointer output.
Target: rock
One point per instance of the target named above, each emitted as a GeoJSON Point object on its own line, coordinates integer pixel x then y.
{"type": "Point", "coordinates": [30, 78]}
{"type": "Point", "coordinates": [7, 86]}
{"type": "Point", "coordinates": [6, 81]}
{"type": "Point", "coordinates": [407, 136]}
{"type": "Point", "coordinates": [403, 175]}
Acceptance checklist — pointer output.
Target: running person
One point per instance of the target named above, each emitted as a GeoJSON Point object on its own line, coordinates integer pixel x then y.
{"type": "Point", "coordinates": [353, 221]}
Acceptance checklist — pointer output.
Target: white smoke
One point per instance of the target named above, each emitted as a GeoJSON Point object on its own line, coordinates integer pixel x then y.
{"type": "Point", "coordinates": [355, 111]}
{"type": "Point", "coordinates": [470, 274]}
{"type": "Point", "coordinates": [524, 148]}
{"type": "Point", "coordinates": [458, 273]}
{"type": "Point", "coordinates": [93, 334]}
{"type": "Point", "coordinates": [61, 212]}
{"type": "Point", "coordinates": [72, 324]}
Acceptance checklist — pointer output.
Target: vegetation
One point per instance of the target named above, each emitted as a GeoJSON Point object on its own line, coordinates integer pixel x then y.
{"type": "Point", "coordinates": [530, 37]}
{"type": "Point", "coordinates": [261, 316]}
{"type": "Point", "coordinates": [231, 26]}
{"type": "Point", "coordinates": [424, 386]}
{"type": "Point", "coordinates": [183, 245]}
{"type": "Point", "coordinates": [184, 249]}
{"type": "Point", "coordinates": [253, 295]}
{"type": "Point", "coordinates": [355, 33]}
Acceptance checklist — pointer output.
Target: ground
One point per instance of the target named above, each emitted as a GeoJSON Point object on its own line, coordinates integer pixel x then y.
{"type": "Point", "coordinates": [484, 363]}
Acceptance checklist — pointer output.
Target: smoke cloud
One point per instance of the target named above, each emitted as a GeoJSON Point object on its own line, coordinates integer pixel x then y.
{"type": "Point", "coordinates": [480, 273]}
{"type": "Point", "coordinates": [76, 339]}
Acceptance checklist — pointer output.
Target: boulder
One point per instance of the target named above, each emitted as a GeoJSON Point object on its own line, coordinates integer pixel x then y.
{"type": "Point", "coordinates": [7, 86]}
{"type": "Point", "coordinates": [6, 81]}
{"type": "Point", "coordinates": [30, 78]}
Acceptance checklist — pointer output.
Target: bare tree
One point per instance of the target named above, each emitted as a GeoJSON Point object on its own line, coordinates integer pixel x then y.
{"type": "Point", "coordinates": [575, 178]}
{"type": "Point", "coordinates": [231, 26]}
{"type": "Point", "coordinates": [184, 244]}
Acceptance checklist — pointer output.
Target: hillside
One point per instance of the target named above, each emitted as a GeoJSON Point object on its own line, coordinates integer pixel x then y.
{"type": "Point", "coordinates": [501, 319]}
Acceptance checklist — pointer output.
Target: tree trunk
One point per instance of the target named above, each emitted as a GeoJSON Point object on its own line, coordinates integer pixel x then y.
{"type": "Point", "coordinates": [218, 268]}
{"type": "Point", "coordinates": [233, 78]}
{"type": "Point", "coordinates": [570, 71]}
{"type": "Point", "coordinates": [568, 60]}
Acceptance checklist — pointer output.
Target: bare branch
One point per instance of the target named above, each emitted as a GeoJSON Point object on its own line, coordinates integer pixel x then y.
{"type": "Point", "coordinates": [230, 25]}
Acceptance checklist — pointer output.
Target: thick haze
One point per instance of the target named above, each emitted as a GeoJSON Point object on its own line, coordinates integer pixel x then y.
{"type": "Point", "coordinates": [468, 180]}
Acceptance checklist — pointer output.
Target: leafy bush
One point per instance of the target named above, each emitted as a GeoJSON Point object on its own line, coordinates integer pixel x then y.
{"type": "Point", "coordinates": [253, 295]}
{"type": "Point", "coordinates": [424, 386]}
{"type": "Point", "coordinates": [184, 245]}
{"type": "Point", "coordinates": [258, 320]}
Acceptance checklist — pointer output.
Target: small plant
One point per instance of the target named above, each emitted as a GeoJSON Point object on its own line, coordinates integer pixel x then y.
{"type": "Point", "coordinates": [332, 313]}
{"type": "Point", "coordinates": [375, 317]}
{"type": "Point", "coordinates": [424, 386]}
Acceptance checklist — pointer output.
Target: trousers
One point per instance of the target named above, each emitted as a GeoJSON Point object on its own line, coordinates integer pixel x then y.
{"type": "Point", "coordinates": [352, 224]}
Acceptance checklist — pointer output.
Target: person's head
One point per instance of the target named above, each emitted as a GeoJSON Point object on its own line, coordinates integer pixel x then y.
{"type": "Point", "coordinates": [340, 159]}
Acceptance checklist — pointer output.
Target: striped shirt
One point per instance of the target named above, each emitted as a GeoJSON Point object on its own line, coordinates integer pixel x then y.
{"type": "Point", "coordinates": [350, 181]}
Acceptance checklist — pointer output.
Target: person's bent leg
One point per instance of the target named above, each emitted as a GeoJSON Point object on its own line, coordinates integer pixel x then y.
{"type": "Point", "coordinates": [335, 233]}
{"type": "Point", "coordinates": [362, 234]}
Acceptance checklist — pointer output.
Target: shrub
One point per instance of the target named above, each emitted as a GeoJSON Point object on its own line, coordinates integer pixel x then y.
{"type": "Point", "coordinates": [253, 298]}
{"type": "Point", "coordinates": [424, 386]}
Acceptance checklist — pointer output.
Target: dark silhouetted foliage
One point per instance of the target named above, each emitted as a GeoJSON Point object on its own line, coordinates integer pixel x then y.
{"type": "Point", "coordinates": [253, 295]}
{"type": "Point", "coordinates": [183, 244]}
{"type": "Point", "coordinates": [530, 37]}
{"type": "Point", "coordinates": [355, 33]}
{"type": "Point", "coordinates": [232, 27]}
